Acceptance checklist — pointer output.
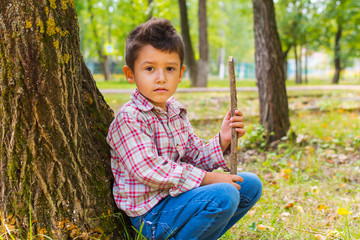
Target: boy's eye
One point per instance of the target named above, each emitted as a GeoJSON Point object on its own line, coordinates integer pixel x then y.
{"type": "Point", "coordinates": [170, 69]}
{"type": "Point", "coordinates": [149, 69]}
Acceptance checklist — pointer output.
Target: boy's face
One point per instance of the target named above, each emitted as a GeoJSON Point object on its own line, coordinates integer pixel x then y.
{"type": "Point", "coordinates": [156, 74]}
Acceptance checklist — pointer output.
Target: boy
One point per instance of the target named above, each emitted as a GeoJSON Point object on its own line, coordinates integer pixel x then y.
{"type": "Point", "coordinates": [163, 178]}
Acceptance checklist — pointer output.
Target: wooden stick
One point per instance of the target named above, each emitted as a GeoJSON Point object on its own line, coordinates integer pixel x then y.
{"type": "Point", "coordinates": [233, 100]}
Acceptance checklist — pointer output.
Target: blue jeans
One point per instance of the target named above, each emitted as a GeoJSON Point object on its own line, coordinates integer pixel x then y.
{"type": "Point", "coordinates": [206, 212]}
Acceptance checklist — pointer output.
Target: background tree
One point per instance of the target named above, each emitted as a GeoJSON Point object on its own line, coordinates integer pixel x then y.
{"type": "Point", "coordinates": [55, 176]}
{"type": "Point", "coordinates": [203, 63]}
{"type": "Point", "coordinates": [341, 30]}
{"type": "Point", "coordinates": [274, 110]}
{"type": "Point", "coordinates": [190, 61]}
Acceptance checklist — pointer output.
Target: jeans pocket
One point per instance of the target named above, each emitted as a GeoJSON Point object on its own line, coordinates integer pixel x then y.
{"type": "Point", "coordinates": [167, 231]}
{"type": "Point", "coordinates": [156, 230]}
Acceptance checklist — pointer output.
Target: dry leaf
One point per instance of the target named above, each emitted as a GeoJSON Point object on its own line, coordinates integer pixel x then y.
{"type": "Point", "coordinates": [252, 212]}
{"type": "Point", "coordinates": [320, 237]}
{"type": "Point", "coordinates": [289, 205]}
{"type": "Point", "coordinates": [322, 207]}
{"type": "Point", "coordinates": [343, 211]}
{"type": "Point", "coordinates": [299, 209]}
{"type": "Point", "coordinates": [262, 227]}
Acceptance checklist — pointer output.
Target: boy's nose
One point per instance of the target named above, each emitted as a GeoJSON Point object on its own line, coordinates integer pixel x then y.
{"type": "Point", "coordinates": [161, 76]}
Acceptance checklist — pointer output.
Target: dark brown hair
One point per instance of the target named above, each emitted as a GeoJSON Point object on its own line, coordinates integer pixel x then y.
{"type": "Point", "coordinates": [159, 33]}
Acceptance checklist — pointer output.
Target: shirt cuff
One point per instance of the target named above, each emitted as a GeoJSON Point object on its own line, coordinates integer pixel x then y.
{"type": "Point", "coordinates": [219, 160]}
{"type": "Point", "coordinates": [191, 181]}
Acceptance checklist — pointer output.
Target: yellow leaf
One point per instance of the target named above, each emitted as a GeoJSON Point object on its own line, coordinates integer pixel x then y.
{"type": "Point", "coordinates": [341, 110]}
{"type": "Point", "coordinates": [322, 207]}
{"type": "Point", "coordinates": [252, 212]}
{"type": "Point", "coordinates": [315, 189]}
{"type": "Point", "coordinates": [28, 24]}
{"type": "Point", "coordinates": [324, 125]}
{"type": "Point", "coordinates": [343, 211]}
{"type": "Point", "coordinates": [289, 205]}
{"type": "Point", "coordinates": [260, 227]}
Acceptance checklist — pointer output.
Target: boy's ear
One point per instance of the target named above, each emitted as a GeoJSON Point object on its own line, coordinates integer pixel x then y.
{"type": "Point", "coordinates": [182, 73]}
{"type": "Point", "coordinates": [129, 75]}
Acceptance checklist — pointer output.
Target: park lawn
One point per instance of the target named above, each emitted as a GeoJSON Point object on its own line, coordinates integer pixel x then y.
{"type": "Point", "coordinates": [118, 81]}
{"type": "Point", "coordinates": [311, 181]}
{"type": "Point", "coordinates": [311, 178]}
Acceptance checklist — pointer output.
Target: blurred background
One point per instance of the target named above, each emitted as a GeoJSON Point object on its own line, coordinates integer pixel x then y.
{"type": "Point", "coordinates": [318, 37]}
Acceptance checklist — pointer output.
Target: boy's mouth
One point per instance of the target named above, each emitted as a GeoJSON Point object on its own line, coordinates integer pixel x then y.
{"type": "Point", "coordinates": [160, 89]}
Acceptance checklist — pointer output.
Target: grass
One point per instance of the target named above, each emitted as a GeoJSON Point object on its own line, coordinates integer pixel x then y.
{"type": "Point", "coordinates": [311, 182]}
{"type": "Point", "coordinates": [118, 81]}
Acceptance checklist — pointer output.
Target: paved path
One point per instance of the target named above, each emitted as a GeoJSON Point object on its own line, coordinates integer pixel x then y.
{"type": "Point", "coordinates": [245, 89]}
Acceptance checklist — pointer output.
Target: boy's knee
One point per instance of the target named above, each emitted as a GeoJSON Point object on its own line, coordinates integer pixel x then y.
{"type": "Point", "coordinates": [253, 182]}
{"type": "Point", "coordinates": [227, 196]}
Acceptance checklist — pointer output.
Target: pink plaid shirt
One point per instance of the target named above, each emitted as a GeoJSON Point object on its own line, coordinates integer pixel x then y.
{"type": "Point", "coordinates": [155, 154]}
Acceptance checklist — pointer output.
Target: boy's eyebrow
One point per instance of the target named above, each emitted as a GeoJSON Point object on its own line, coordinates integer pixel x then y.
{"type": "Point", "coordinates": [152, 62]}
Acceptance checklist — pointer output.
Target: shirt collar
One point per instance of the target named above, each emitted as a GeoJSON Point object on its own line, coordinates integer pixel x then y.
{"type": "Point", "coordinates": [174, 107]}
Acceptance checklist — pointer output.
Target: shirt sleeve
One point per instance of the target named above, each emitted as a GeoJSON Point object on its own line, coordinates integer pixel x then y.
{"type": "Point", "coordinates": [131, 139]}
{"type": "Point", "coordinates": [205, 156]}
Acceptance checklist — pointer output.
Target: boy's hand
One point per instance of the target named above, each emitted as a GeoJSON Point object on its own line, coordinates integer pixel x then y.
{"type": "Point", "coordinates": [228, 123]}
{"type": "Point", "coordinates": [220, 177]}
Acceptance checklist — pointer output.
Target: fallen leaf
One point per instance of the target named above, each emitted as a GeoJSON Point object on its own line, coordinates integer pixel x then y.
{"type": "Point", "coordinates": [322, 207]}
{"type": "Point", "coordinates": [320, 237]}
{"type": "Point", "coordinates": [262, 227]}
{"type": "Point", "coordinates": [332, 233]}
{"type": "Point", "coordinates": [284, 216]}
{"type": "Point", "coordinates": [252, 212]}
{"type": "Point", "coordinates": [285, 173]}
{"type": "Point", "coordinates": [289, 205]}
{"type": "Point", "coordinates": [299, 209]}
{"type": "Point", "coordinates": [343, 211]}
{"type": "Point", "coordinates": [315, 189]}
{"type": "Point", "coordinates": [331, 218]}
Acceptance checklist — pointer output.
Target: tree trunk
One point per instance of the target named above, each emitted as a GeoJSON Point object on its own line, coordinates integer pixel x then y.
{"type": "Point", "coordinates": [274, 111]}
{"type": "Point", "coordinates": [150, 9]}
{"type": "Point", "coordinates": [337, 64]}
{"type": "Point", "coordinates": [300, 65]}
{"type": "Point", "coordinates": [105, 66]}
{"type": "Point", "coordinates": [306, 65]}
{"type": "Point", "coordinates": [203, 46]}
{"type": "Point", "coordinates": [55, 175]}
{"type": "Point", "coordinates": [99, 46]}
{"type": "Point", "coordinates": [285, 54]}
{"type": "Point", "coordinates": [189, 52]}
{"type": "Point", "coordinates": [297, 77]}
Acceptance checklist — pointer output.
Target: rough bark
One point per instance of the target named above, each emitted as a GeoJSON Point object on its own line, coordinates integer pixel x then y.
{"type": "Point", "coordinates": [337, 64]}
{"type": "Point", "coordinates": [203, 46]}
{"type": "Point", "coordinates": [190, 61]}
{"type": "Point", "coordinates": [274, 111]}
{"type": "Point", "coordinates": [55, 176]}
